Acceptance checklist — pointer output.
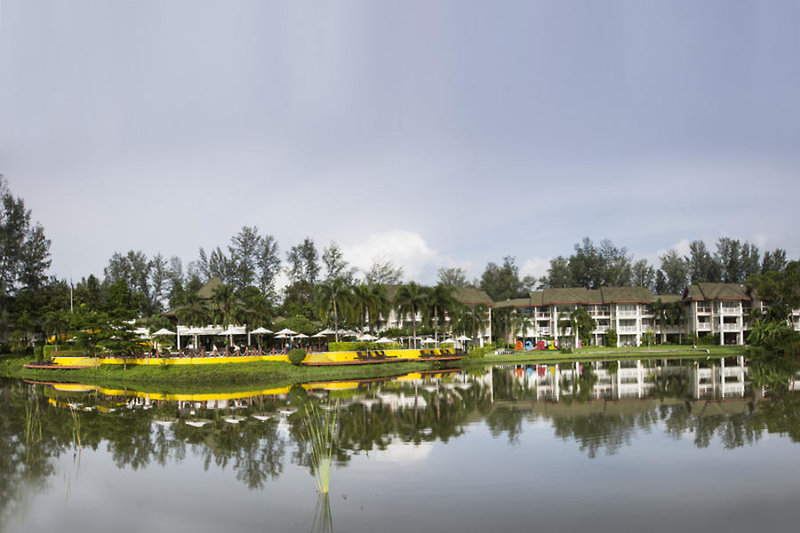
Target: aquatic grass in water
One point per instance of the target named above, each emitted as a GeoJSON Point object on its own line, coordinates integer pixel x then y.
{"type": "Point", "coordinates": [76, 427]}
{"type": "Point", "coordinates": [321, 434]}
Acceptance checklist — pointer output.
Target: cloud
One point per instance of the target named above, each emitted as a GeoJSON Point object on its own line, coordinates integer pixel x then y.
{"type": "Point", "coordinates": [407, 249]}
{"type": "Point", "coordinates": [535, 266]}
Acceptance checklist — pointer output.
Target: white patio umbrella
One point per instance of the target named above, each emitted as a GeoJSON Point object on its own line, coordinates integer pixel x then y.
{"type": "Point", "coordinates": [428, 341]}
{"type": "Point", "coordinates": [165, 331]}
{"type": "Point", "coordinates": [384, 340]}
{"type": "Point", "coordinates": [287, 331]}
{"type": "Point", "coordinates": [366, 337]}
{"type": "Point", "coordinates": [258, 331]}
{"type": "Point", "coordinates": [301, 336]}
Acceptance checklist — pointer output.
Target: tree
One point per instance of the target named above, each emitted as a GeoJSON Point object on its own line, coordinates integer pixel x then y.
{"type": "Point", "coordinates": [411, 299]}
{"type": "Point", "coordinates": [779, 290]}
{"type": "Point", "coordinates": [334, 298]}
{"type": "Point", "coordinates": [440, 301]}
{"type": "Point", "coordinates": [24, 250]}
{"type": "Point", "coordinates": [643, 275]}
{"type": "Point", "coordinates": [56, 323]}
{"type": "Point", "coordinates": [702, 266]}
{"type": "Point", "coordinates": [335, 264]}
{"type": "Point", "coordinates": [192, 310]}
{"type": "Point", "coordinates": [244, 253]}
{"type": "Point", "coordinates": [501, 282]}
{"type": "Point", "coordinates": [470, 319]}
{"type": "Point", "coordinates": [383, 272]}
{"type": "Point", "coordinates": [227, 305]}
{"type": "Point", "coordinates": [453, 277]}
{"type": "Point", "coordinates": [582, 324]}
{"type": "Point", "coordinates": [269, 265]}
{"type": "Point", "coordinates": [303, 265]}
{"type": "Point", "coordinates": [676, 272]}
{"type": "Point", "coordinates": [774, 261]}
{"type": "Point", "coordinates": [558, 275]}
{"type": "Point", "coordinates": [370, 304]}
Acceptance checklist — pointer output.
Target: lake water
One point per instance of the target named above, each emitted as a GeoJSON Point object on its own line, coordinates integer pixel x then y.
{"type": "Point", "coordinates": [659, 445]}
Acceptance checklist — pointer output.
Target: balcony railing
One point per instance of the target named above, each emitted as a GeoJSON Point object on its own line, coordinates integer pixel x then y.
{"type": "Point", "coordinates": [730, 327]}
{"type": "Point", "coordinates": [628, 329]}
{"type": "Point", "coordinates": [704, 326]}
{"type": "Point", "coordinates": [626, 313]}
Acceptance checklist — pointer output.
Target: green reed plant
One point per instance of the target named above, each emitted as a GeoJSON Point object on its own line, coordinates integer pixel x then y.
{"type": "Point", "coordinates": [76, 427]}
{"type": "Point", "coordinates": [321, 434]}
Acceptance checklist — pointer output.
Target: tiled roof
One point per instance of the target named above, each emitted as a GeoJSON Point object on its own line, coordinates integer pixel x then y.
{"type": "Point", "coordinates": [715, 291]}
{"type": "Point", "coordinates": [471, 295]}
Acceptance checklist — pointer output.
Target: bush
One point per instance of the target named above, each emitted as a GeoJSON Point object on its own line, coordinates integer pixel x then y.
{"type": "Point", "coordinates": [611, 338]}
{"type": "Point", "coordinates": [296, 356]}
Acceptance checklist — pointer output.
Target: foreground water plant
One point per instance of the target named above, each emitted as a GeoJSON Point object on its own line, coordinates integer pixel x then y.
{"type": "Point", "coordinates": [321, 434]}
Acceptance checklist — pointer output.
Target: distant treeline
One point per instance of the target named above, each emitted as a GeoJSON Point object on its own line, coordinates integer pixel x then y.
{"type": "Point", "coordinates": [321, 285]}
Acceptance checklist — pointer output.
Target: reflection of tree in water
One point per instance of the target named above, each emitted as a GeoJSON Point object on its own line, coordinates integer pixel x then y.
{"type": "Point", "coordinates": [368, 420]}
{"type": "Point", "coordinates": [430, 415]}
{"type": "Point", "coordinates": [27, 444]}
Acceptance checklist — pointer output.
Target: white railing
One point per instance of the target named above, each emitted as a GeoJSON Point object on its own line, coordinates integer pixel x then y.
{"type": "Point", "coordinates": [626, 313]}
{"type": "Point", "coordinates": [703, 310]}
{"type": "Point", "coordinates": [704, 326]}
{"type": "Point", "coordinates": [628, 329]}
{"type": "Point", "coordinates": [730, 327]}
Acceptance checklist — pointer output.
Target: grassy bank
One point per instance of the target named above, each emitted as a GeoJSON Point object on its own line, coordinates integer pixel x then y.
{"type": "Point", "coordinates": [205, 377]}
{"type": "Point", "coordinates": [595, 353]}
{"type": "Point", "coordinates": [191, 378]}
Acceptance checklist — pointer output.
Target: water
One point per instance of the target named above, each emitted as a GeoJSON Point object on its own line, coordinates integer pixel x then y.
{"type": "Point", "coordinates": [650, 445]}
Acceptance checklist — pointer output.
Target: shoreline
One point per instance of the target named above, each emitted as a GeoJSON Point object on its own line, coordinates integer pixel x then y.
{"type": "Point", "coordinates": [170, 378]}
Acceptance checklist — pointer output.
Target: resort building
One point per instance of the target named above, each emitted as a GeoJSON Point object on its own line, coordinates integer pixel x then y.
{"type": "Point", "coordinates": [635, 313]}
{"type": "Point", "coordinates": [474, 299]}
{"type": "Point", "coordinates": [718, 309]}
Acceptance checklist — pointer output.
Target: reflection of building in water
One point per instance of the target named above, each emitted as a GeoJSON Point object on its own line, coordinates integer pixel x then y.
{"type": "Point", "coordinates": [721, 378]}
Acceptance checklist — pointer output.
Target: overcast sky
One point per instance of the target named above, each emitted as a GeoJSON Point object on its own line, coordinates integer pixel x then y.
{"type": "Point", "coordinates": [433, 133]}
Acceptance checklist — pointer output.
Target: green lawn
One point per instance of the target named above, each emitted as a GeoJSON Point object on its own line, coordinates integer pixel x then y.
{"type": "Point", "coordinates": [278, 374]}
{"type": "Point", "coordinates": [204, 377]}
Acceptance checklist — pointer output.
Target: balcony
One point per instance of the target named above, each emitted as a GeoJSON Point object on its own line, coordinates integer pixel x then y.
{"type": "Point", "coordinates": [704, 326]}
{"type": "Point", "coordinates": [703, 310]}
{"type": "Point", "coordinates": [730, 311]}
{"type": "Point", "coordinates": [730, 327]}
{"type": "Point", "coordinates": [623, 314]}
{"type": "Point", "coordinates": [628, 329]}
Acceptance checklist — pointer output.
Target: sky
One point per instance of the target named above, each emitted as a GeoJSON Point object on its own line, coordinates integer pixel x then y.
{"type": "Point", "coordinates": [432, 134]}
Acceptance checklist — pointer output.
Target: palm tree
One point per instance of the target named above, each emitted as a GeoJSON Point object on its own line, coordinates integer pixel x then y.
{"type": "Point", "coordinates": [582, 323]}
{"type": "Point", "coordinates": [564, 322]}
{"type": "Point", "coordinates": [193, 310]}
{"type": "Point", "coordinates": [471, 319]}
{"type": "Point", "coordinates": [660, 311]}
{"type": "Point", "coordinates": [676, 314]}
{"type": "Point", "coordinates": [441, 299]}
{"type": "Point", "coordinates": [381, 306]}
{"type": "Point", "coordinates": [411, 299]}
{"type": "Point", "coordinates": [334, 297]}
{"type": "Point", "coordinates": [365, 302]}
{"type": "Point", "coordinates": [227, 304]}
{"type": "Point", "coordinates": [523, 323]}
{"type": "Point", "coordinates": [56, 322]}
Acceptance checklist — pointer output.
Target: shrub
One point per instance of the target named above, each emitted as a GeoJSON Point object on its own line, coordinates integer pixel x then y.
{"type": "Point", "coordinates": [296, 356]}
{"type": "Point", "coordinates": [611, 338]}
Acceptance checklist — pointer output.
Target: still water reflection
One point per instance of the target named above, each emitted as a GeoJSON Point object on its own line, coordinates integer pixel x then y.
{"type": "Point", "coordinates": [627, 445]}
